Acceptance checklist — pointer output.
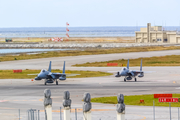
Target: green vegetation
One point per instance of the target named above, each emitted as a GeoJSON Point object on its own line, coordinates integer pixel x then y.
{"type": "Point", "coordinates": [171, 60]}
{"type": "Point", "coordinates": [8, 74]}
{"type": "Point", "coordinates": [85, 52]}
{"type": "Point", "coordinates": [135, 100]}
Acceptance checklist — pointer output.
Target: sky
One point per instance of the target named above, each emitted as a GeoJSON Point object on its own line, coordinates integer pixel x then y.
{"type": "Point", "coordinates": [88, 13]}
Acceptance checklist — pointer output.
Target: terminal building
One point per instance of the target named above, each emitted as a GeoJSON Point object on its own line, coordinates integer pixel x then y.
{"type": "Point", "coordinates": [156, 34]}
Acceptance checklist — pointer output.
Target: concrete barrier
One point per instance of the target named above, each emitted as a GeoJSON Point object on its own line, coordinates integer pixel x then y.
{"type": "Point", "coordinates": [120, 107]}
{"type": "Point", "coordinates": [67, 105]}
{"type": "Point", "coordinates": [87, 106]}
{"type": "Point", "coordinates": [48, 104]}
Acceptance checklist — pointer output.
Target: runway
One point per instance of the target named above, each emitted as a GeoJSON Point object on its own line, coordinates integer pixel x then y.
{"type": "Point", "coordinates": [57, 62]}
{"type": "Point", "coordinates": [24, 94]}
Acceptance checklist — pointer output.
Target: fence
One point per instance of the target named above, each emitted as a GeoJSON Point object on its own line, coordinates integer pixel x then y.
{"type": "Point", "coordinates": [84, 113]}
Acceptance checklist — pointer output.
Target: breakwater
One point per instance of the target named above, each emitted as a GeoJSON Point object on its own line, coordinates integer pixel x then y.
{"type": "Point", "coordinates": [78, 45]}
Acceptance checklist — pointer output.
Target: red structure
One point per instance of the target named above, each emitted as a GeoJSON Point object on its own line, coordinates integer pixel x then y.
{"type": "Point", "coordinates": [17, 71]}
{"type": "Point", "coordinates": [67, 30]}
{"type": "Point", "coordinates": [141, 101]}
{"type": "Point", "coordinates": [112, 64]}
{"type": "Point", "coordinates": [162, 95]}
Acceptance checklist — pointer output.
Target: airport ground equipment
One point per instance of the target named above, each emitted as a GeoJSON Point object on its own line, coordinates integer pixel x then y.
{"type": "Point", "coordinates": [87, 106]}
{"type": "Point", "coordinates": [120, 107]}
{"type": "Point", "coordinates": [47, 104]}
{"type": "Point", "coordinates": [130, 74]}
{"type": "Point", "coordinates": [67, 105]}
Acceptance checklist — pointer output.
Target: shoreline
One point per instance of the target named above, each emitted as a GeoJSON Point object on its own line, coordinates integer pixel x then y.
{"type": "Point", "coordinates": [128, 39]}
{"type": "Point", "coordinates": [75, 45]}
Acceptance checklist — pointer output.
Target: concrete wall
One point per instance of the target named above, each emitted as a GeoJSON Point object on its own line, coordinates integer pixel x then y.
{"type": "Point", "coordinates": [178, 39]}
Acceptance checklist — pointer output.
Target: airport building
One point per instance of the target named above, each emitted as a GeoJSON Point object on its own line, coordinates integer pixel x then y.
{"type": "Point", "coordinates": [156, 34]}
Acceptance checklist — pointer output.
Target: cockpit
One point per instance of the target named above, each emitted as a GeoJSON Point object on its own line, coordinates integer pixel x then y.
{"type": "Point", "coordinates": [43, 70]}
{"type": "Point", "coordinates": [124, 68]}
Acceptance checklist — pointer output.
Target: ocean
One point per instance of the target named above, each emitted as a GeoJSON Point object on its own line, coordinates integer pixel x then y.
{"type": "Point", "coordinates": [75, 31]}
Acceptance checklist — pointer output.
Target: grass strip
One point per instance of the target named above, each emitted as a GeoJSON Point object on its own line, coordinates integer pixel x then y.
{"type": "Point", "coordinates": [8, 74]}
{"type": "Point", "coordinates": [169, 60]}
{"type": "Point", "coordinates": [135, 100]}
{"type": "Point", "coordinates": [93, 51]}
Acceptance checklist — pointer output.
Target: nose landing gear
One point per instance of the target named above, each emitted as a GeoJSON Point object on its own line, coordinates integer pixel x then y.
{"type": "Point", "coordinates": [45, 82]}
{"type": "Point", "coordinates": [56, 82]}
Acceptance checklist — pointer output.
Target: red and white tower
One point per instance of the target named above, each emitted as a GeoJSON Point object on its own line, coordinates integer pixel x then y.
{"type": "Point", "coordinates": [67, 30]}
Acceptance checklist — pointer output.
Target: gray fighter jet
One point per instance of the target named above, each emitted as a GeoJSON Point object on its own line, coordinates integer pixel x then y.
{"type": "Point", "coordinates": [129, 74]}
{"type": "Point", "coordinates": [51, 77]}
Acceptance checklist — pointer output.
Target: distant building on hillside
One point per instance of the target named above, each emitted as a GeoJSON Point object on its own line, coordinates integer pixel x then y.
{"type": "Point", "coordinates": [156, 34]}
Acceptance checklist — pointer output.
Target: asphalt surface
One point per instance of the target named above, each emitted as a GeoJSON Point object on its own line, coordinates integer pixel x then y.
{"type": "Point", "coordinates": [25, 94]}
{"type": "Point", "coordinates": [57, 62]}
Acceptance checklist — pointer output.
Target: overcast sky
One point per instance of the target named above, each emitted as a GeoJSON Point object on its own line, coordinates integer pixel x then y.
{"type": "Point", "coordinates": [81, 13]}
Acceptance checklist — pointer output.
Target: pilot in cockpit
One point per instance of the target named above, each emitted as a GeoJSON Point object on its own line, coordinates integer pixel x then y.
{"type": "Point", "coordinates": [43, 70]}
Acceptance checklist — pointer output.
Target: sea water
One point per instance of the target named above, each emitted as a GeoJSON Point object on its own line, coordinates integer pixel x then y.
{"type": "Point", "coordinates": [75, 31]}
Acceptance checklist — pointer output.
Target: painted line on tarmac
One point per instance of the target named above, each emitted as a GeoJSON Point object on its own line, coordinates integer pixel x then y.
{"type": "Point", "coordinates": [142, 116]}
{"type": "Point", "coordinates": [3, 100]}
{"type": "Point", "coordinates": [17, 100]}
{"type": "Point", "coordinates": [6, 108]}
{"type": "Point", "coordinates": [174, 82]}
{"type": "Point", "coordinates": [80, 110]}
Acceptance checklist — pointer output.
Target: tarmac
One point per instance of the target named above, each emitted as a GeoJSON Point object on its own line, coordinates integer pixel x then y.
{"type": "Point", "coordinates": [25, 94]}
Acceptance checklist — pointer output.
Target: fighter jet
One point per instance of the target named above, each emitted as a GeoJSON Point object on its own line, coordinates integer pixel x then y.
{"type": "Point", "coordinates": [129, 74]}
{"type": "Point", "coordinates": [51, 77]}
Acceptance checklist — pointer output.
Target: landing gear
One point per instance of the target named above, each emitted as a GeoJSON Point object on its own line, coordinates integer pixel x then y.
{"type": "Point", "coordinates": [45, 82]}
{"type": "Point", "coordinates": [56, 82]}
{"type": "Point", "coordinates": [135, 79]}
{"type": "Point", "coordinates": [124, 79]}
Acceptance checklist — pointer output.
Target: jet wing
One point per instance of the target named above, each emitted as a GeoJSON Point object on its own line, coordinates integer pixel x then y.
{"type": "Point", "coordinates": [134, 73]}
{"type": "Point", "coordinates": [143, 71]}
{"type": "Point", "coordinates": [57, 75]}
{"type": "Point", "coordinates": [33, 74]}
{"type": "Point", "coordinates": [69, 75]}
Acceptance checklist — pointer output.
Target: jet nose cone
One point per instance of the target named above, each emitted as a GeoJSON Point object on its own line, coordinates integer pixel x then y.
{"type": "Point", "coordinates": [39, 76]}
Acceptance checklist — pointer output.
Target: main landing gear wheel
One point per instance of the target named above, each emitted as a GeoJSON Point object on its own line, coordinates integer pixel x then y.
{"type": "Point", "coordinates": [124, 79]}
{"type": "Point", "coordinates": [56, 82]}
{"type": "Point", "coordinates": [135, 79]}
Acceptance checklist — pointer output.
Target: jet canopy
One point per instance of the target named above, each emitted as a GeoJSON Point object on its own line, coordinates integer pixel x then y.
{"type": "Point", "coordinates": [124, 68]}
{"type": "Point", "coordinates": [43, 70]}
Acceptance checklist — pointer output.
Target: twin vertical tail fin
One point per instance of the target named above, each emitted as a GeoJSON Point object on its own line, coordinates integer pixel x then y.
{"type": "Point", "coordinates": [64, 67]}
{"type": "Point", "coordinates": [49, 67]}
{"type": "Point", "coordinates": [141, 66]}
{"type": "Point", "coordinates": [141, 72]}
{"type": "Point", "coordinates": [128, 64]}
